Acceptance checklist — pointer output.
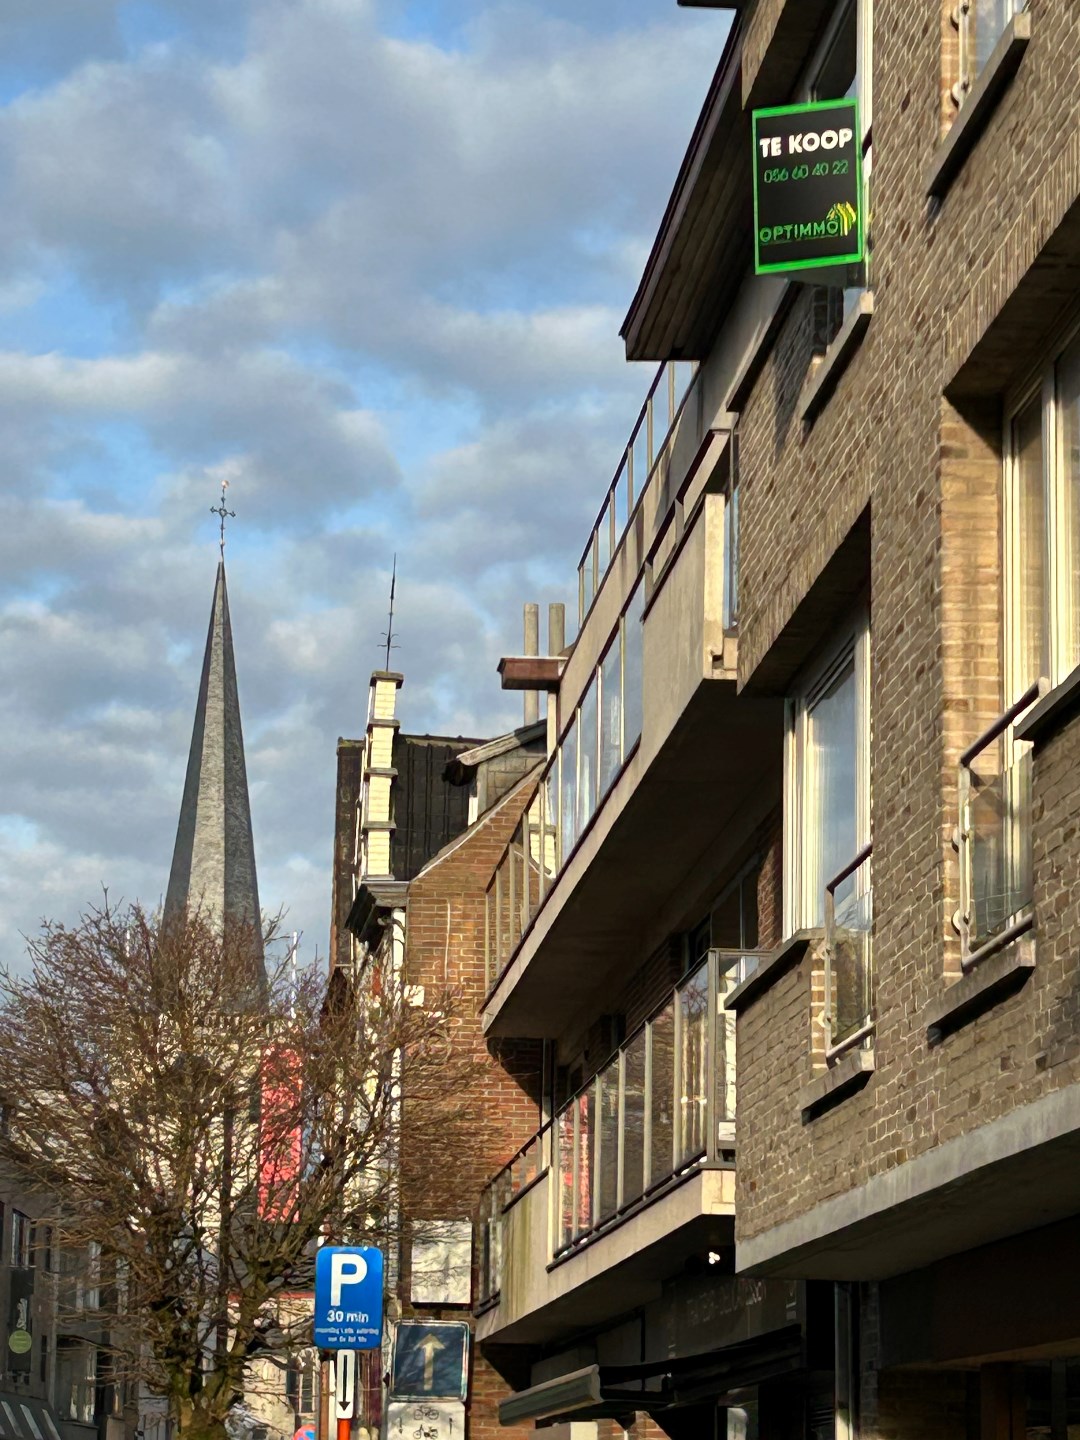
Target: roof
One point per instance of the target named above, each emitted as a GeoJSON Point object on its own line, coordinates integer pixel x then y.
{"type": "Point", "coordinates": [703, 246]}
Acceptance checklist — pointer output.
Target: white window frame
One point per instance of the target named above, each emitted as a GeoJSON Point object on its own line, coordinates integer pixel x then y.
{"type": "Point", "coordinates": [852, 644]}
{"type": "Point", "coordinates": [1061, 627]}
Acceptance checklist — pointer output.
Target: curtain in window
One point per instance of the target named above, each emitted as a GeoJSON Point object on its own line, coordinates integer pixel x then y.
{"type": "Point", "coordinates": [832, 800]}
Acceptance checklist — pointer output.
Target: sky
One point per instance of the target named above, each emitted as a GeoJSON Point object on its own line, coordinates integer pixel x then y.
{"type": "Point", "coordinates": [365, 260]}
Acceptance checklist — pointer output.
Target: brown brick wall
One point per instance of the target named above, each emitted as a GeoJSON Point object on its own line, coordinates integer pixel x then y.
{"type": "Point", "coordinates": [930, 473]}
{"type": "Point", "coordinates": [445, 947]}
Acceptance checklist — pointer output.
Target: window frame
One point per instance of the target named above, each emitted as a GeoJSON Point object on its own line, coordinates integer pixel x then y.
{"type": "Point", "coordinates": [1060, 641]}
{"type": "Point", "coordinates": [851, 644]}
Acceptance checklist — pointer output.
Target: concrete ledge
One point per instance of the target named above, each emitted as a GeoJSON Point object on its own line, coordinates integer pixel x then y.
{"type": "Point", "coordinates": [777, 964]}
{"type": "Point", "coordinates": [1054, 710]}
{"type": "Point", "coordinates": [849, 1074]}
{"type": "Point", "coordinates": [826, 375]}
{"type": "Point", "coordinates": [975, 113]}
{"type": "Point", "coordinates": [990, 981]}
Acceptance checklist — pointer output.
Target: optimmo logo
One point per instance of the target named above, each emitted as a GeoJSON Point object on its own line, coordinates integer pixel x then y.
{"type": "Point", "coordinates": [840, 221]}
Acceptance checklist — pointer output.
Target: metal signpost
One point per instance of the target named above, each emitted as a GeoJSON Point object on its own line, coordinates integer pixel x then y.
{"type": "Point", "coordinates": [431, 1360]}
{"type": "Point", "coordinates": [348, 1318]}
{"type": "Point", "coordinates": [808, 191]}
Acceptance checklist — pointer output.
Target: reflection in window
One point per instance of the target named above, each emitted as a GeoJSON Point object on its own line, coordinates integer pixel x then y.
{"type": "Point", "coordinates": [633, 669]}
{"type": "Point", "coordinates": [610, 715]}
{"type": "Point", "coordinates": [830, 832]}
{"type": "Point", "coordinates": [588, 739]}
{"type": "Point", "coordinates": [568, 782]}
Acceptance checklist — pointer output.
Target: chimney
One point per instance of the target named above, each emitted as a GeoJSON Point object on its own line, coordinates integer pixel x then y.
{"type": "Point", "coordinates": [376, 797]}
{"type": "Point", "coordinates": [532, 647]}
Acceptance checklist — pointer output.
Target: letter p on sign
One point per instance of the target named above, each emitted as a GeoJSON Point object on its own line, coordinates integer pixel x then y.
{"type": "Point", "coordinates": [345, 1270]}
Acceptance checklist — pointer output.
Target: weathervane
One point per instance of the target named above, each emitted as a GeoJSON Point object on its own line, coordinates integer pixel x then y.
{"type": "Point", "coordinates": [389, 636]}
{"type": "Point", "coordinates": [223, 512]}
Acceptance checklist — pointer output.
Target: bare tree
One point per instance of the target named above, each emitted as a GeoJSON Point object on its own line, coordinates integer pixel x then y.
{"type": "Point", "coordinates": [200, 1129]}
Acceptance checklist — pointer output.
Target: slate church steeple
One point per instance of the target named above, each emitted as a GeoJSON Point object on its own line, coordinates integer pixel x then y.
{"type": "Point", "coordinates": [214, 858]}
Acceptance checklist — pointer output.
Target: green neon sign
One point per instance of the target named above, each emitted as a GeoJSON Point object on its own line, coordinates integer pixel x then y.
{"type": "Point", "coordinates": [809, 206]}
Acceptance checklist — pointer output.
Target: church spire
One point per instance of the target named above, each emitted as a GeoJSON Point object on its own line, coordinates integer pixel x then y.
{"type": "Point", "coordinates": [214, 858]}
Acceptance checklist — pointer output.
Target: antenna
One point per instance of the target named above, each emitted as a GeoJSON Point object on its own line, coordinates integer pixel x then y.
{"type": "Point", "coordinates": [388, 638]}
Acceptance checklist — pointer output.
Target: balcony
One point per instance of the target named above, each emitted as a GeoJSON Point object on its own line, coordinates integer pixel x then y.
{"type": "Point", "coordinates": [652, 743]}
{"type": "Point", "coordinates": [633, 1175]}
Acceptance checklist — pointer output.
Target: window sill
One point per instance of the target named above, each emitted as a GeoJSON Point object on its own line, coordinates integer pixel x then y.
{"type": "Point", "coordinates": [1049, 714]}
{"type": "Point", "coordinates": [778, 963]}
{"type": "Point", "coordinates": [974, 114]}
{"type": "Point", "coordinates": [850, 1073]}
{"type": "Point", "coordinates": [993, 980]}
{"type": "Point", "coordinates": [828, 370]}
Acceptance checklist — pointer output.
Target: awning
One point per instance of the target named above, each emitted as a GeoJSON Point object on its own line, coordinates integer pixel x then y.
{"type": "Point", "coordinates": [22, 1417]}
{"type": "Point", "coordinates": [613, 1390]}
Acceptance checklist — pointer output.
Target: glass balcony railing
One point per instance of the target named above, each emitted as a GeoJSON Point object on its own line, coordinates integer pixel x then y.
{"type": "Point", "coordinates": [996, 883]}
{"type": "Point", "coordinates": [597, 741]}
{"type": "Point", "coordinates": [849, 980]}
{"type": "Point", "coordinates": [513, 1179]}
{"type": "Point", "coordinates": [663, 1105]}
{"type": "Point", "coordinates": [650, 441]}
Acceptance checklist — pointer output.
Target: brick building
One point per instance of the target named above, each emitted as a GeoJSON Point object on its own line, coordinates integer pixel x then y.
{"type": "Point", "coordinates": [420, 824]}
{"type": "Point", "coordinates": [810, 790]}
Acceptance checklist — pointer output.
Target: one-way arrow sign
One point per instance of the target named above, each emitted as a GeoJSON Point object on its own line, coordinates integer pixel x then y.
{"type": "Point", "coordinates": [431, 1360]}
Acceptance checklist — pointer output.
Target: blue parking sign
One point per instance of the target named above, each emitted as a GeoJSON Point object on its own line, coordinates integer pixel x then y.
{"type": "Point", "coordinates": [348, 1298]}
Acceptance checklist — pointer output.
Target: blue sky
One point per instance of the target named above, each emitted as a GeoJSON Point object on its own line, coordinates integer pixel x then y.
{"type": "Point", "coordinates": [367, 261]}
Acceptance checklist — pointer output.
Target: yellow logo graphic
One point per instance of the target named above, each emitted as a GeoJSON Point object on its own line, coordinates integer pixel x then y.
{"type": "Point", "coordinates": [843, 216]}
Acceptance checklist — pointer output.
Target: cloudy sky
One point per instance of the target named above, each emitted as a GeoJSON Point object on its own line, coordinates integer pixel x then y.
{"type": "Point", "coordinates": [367, 261]}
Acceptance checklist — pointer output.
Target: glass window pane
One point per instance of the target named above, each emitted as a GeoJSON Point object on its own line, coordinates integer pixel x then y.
{"type": "Point", "coordinates": [633, 676]}
{"type": "Point", "coordinates": [1068, 400]}
{"type": "Point", "coordinates": [1028, 607]}
{"type": "Point", "coordinates": [634, 1119]}
{"type": "Point", "coordinates": [610, 715]}
{"type": "Point", "coordinates": [568, 769]}
{"type": "Point", "coordinates": [837, 76]}
{"type": "Point", "coordinates": [999, 834]}
{"type": "Point", "coordinates": [731, 559]}
{"type": "Point", "coordinates": [988, 19]}
{"type": "Point", "coordinates": [831, 838]}
{"type": "Point", "coordinates": [662, 1096]}
{"type": "Point", "coordinates": [588, 740]}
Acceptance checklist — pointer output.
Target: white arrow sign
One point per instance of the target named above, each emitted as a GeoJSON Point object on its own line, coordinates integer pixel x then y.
{"type": "Point", "coordinates": [345, 1384]}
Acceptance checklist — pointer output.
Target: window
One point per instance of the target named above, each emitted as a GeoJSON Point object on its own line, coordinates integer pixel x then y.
{"type": "Point", "coordinates": [610, 715]}
{"type": "Point", "coordinates": [982, 24]}
{"type": "Point", "coordinates": [21, 1231]}
{"type": "Point", "coordinates": [568, 771]}
{"type": "Point", "coordinates": [827, 825]}
{"type": "Point", "coordinates": [589, 742]}
{"type": "Point", "coordinates": [633, 669]}
{"type": "Point", "coordinates": [841, 68]}
{"type": "Point", "coordinates": [1041, 593]}
{"type": "Point", "coordinates": [1042, 529]}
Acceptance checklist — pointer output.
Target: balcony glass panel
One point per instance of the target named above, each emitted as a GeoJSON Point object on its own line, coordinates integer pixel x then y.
{"type": "Point", "coordinates": [693, 1065]}
{"type": "Point", "coordinates": [999, 838]}
{"type": "Point", "coordinates": [634, 1120]}
{"type": "Point", "coordinates": [662, 1096]}
{"type": "Point", "coordinates": [564, 1175]}
{"type": "Point", "coordinates": [588, 742]}
{"type": "Point", "coordinates": [603, 540]}
{"type": "Point", "coordinates": [568, 787]}
{"type": "Point", "coordinates": [621, 498]}
{"type": "Point", "coordinates": [683, 371]}
{"type": "Point", "coordinates": [586, 1118]}
{"type": "Point", "coordinates": [607, 1139]}
{"type": "Point", "coordinates": [732, 971]}
{"type": "Point", "coordinates": [639, 457]}
{"type": "Point", "coordinates": [534, 832]}
{"type": "Point", "coordinates": [849, 956]}
{"type": "Point", "coordinates": [588, 578]}
{"type": "Point", "coordinates": [515, 888]}
{"type": "Point", "coordinates": [987, 20]}
{"type": "Point", "coordinates": [610, 715]}
{"type": "Point", "coordinates": [633, 673]}
{"type": "Point", "coordinates": [550, 787]}
{"type": "Point", "coordinates": [731, 559]}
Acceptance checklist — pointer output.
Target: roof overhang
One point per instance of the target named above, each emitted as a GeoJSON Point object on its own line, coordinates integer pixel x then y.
{"type": "Point", "coordinates": [703, 246]}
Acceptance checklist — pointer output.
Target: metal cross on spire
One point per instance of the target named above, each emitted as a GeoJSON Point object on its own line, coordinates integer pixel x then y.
{"type": "Point", "coordinates": [389, 636]}
{"type": "Point", "coordinates": [223, 512]}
